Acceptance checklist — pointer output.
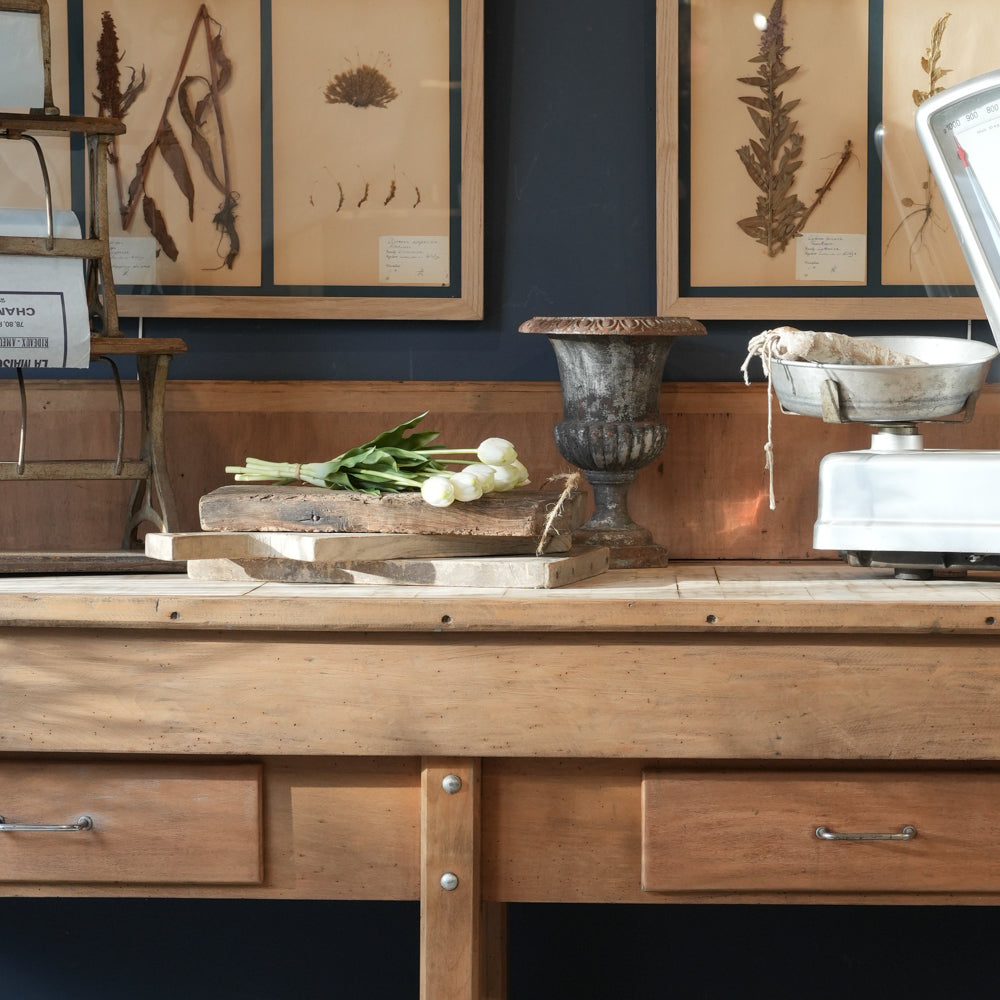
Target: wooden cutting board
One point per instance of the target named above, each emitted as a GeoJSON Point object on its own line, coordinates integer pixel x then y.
{"type": "Point", "coordinates": [534, 572]}
{"type": "Point", "coordinates": [335, 547]}
{"type": "Point", "coordinates": [314, 509]}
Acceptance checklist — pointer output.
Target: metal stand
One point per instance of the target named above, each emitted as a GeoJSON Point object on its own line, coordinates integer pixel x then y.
{"type": "Point", "coordinates": [152, 500]}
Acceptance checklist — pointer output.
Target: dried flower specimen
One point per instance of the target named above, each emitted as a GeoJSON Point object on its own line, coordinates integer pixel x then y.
{"type": "Point", "coordinates": [198, 99]}
{"type": "Point", "coordinates": [930, 63]}
{"type": "Point", "coordinates": [773, 160]}
{"type": "Point", "coordinates": [112, 101]}
{"type": "Point", "coordinates": [361, 87]}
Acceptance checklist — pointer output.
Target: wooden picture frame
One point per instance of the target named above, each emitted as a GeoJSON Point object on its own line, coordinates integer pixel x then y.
{"type": "Point", "coordinates": [682, 135]}
{"type": "Point", "coordinates": [351, 184]}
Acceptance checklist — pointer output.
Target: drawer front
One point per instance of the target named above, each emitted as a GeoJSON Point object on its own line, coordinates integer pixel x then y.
{"type": "Point", "coordinates": [743, 831]}
{"type": "Point", "coordinates": [155, 823]}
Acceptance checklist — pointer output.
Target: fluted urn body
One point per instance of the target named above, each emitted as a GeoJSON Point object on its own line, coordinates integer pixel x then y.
{"type": "Point", "coordinates": [610, 372]}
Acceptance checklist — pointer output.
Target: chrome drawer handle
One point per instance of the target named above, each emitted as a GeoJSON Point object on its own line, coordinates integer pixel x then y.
{"type": "Point", "coordinates": [907, 833]}
{"type": "Point", "coordinates": [83, 823]}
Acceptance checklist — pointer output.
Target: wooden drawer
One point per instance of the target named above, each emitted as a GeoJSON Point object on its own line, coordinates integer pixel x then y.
{"type": "Point", "coordinates": [156, 823]}
{"type": "Point", "coordinates": [755, 831]}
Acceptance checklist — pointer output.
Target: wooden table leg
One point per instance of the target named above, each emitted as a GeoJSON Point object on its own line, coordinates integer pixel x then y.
{"type": "Point", "coordinates": [460, 940]}
{"type": "Point", "coordinates": [155, 489]}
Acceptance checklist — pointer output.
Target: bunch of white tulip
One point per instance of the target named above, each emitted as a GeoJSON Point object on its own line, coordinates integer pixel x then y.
{"type": "Point", "coordinates": [497, 471]}
{"type": "Point", "coordinates": [400, 460]}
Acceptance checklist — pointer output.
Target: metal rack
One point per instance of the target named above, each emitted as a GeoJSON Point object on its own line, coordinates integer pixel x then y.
{"type": "Point", "coordinates": [151, 500]}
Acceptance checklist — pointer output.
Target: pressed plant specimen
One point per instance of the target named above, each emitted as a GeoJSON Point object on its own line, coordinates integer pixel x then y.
{"type": "Point", "coordinates": [923, 209]}
{"type": "Point", "coordinates": [112, 100]}
{"type": "Point", "coordinates": [361, 87]}
{"type": "Point", "coordinates": [773, 159]}
{"type": "Point", "coordinates": [199, 102]}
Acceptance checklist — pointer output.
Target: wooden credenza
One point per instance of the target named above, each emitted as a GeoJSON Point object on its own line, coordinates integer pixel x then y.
{"type": "Point", "coordinates": [665, 735]}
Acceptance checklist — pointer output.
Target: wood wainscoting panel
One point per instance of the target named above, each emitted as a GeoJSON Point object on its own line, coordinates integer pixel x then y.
{"type": "Point", "coordinates": [705, 497]}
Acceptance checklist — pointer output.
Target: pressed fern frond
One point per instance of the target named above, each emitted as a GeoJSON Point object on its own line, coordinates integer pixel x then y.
{"type": "Point", "coordinates": [772, 161]}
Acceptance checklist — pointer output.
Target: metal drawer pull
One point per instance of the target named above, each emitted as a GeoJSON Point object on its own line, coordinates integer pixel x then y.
{"type": "Point", "coordinates": [83, 823]}
{"type": "Point", "coordinates": [907, 833]}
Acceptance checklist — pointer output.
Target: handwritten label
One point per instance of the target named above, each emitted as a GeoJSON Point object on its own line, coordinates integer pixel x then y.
{"type": "Point", "coordinates": [830, 257]}
{"type": "Point", "coordinates": [414, 260]}
{"type": "Point", "coordinates": [133, 260]}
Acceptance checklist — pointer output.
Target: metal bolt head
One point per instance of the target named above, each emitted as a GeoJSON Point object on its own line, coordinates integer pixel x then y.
{"type": "Point", "coordinates": [451, 783]}
{"type": "Point", "coordinates": [449, 881]}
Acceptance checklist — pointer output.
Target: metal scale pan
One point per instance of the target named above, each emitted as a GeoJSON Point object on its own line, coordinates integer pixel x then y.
{"type": "Point", "coordinates": [947, 384]}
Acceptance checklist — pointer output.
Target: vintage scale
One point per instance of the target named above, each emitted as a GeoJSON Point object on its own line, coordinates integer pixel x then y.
{"type": "Point", "coordinates": [897, 504]}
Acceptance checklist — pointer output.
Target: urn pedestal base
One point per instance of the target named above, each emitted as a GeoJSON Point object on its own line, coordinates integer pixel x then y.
{"type": "Point", "coordinates": [630, 545]}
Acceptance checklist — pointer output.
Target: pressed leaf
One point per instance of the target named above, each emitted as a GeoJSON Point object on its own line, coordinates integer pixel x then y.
{"type": "Point", "coordinates": [777, 79]}
{"type": "Point", "coordinates": [133, 90]}
{"type": "Point", "coordinates": [752, 227]}
{"type": "Point", "coordinates": [135, 188]}
{"type": "Point", "coordinates": [755, 102]}
{"type": "Point", "coordinates": [223, 64]}
{"type": "Point", "coordinates": [193, 116]}
{"type": "Point", "coordinates": [762, 123]}
{"type": "Point", "coordinates": [158, 227]}
{"type": "Point", "coordinates": [173, 154]}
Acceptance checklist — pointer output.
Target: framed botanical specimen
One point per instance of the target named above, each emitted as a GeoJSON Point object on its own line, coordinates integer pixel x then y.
{"type": "Point", "coordinates": [790, 181]}
{"type": "Point", "coordinates": [292, 158]}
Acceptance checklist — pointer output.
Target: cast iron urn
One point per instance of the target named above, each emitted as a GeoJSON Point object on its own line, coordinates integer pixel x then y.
{"type": "Point", "coordinates": [610, 371]}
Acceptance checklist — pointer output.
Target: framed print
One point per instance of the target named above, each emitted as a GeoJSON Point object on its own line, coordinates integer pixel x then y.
{"type": "Point", "coordinates": [790, 182]}
{"type": "Point", "coordinates": [290, 158]}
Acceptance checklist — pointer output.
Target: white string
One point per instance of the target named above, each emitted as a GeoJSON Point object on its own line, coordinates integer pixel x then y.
{"type": "Point", "coordinates": [765, 347]}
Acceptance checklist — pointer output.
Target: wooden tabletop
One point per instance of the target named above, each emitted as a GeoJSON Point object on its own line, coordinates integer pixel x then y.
{"type": "Point", "coordinates": [686, 597]}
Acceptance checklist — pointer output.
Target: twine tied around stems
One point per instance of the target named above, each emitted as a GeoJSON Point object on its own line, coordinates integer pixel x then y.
{"type": "Point", "coordinates": [572, 483]}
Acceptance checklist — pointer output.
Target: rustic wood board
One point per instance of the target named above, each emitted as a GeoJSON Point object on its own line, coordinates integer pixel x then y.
{"type": "Point", "coordinates": [336, 547]}
{"type": "Point", "coordinates": [311, 508]}
{"type": "Point", "coordinates": [530, 572]}
{"type": "Point", "coordinates": [124, 561]}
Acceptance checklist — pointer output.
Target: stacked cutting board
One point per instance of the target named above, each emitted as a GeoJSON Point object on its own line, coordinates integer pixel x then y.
{"type": "Point", "coordinates": [306, 534]}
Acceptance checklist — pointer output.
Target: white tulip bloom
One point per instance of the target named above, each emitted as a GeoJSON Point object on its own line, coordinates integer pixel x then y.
{"type": "Point", "coordinates": [496, 451]}
{"type": "Point", "coordinates": [505, 477]}
{"type": "Point", "coordinates": [465, 486]}
{"type": "Point", "coordinates": [438, 491]}
{"type": "Point", "coordinates": [522, 472]}
{"type": "Point", "coordinates": [482, 472]}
